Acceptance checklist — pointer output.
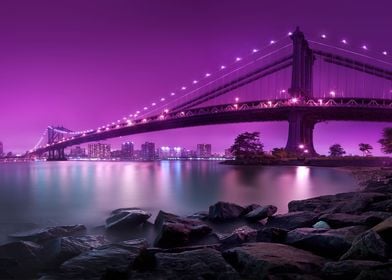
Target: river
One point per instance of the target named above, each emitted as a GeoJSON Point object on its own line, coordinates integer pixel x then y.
{"type": "Point", "coordinates": [57, 193]}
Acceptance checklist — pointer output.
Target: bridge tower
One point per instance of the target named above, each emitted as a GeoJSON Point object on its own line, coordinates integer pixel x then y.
{"type": "Point", "coordinates": [55, 154]}
{"type": "Point", "coordinates": [300, 136]}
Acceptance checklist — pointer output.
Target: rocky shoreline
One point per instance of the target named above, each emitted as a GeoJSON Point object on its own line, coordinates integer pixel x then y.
{"type": "Point", "coordinates": [342, 236]}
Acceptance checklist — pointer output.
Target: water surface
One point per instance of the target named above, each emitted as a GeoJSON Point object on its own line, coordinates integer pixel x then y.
{"type": "Point", "coordinates": [57, 193]}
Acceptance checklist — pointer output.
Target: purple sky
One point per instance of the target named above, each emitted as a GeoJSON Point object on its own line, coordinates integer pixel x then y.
{"type": "Point", "coordinates": [83, 63]}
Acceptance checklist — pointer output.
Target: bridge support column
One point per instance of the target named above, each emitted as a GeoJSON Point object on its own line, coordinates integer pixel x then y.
{"type": "Point", "coordinates": [300, 136]}
{"type": "Point", "coordinates": [56, 155]}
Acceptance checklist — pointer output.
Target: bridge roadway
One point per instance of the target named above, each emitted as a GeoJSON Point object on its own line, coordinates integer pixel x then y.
{"type": "Point", "coordinates": [312, 110]}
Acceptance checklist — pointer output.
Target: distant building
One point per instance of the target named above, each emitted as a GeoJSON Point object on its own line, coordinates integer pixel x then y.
{"type": "Point", "coordinates": [137, 154]}
{"type": "Point", "coordinates": [77, 152]}
{"type": "Point", "coordinates": [1, 149]}
{"type": "Point", "coordinates": [203, 150]}
{"type": "Point", "coordinates": [127, 150]}
{"type": "Point", "coordinates": [117, 154]}
{"type": "Point", "coordinates": [167, 152]}
{"type": "Point", "coordinates": [228, 153]}
{"type": "Point", "coordinates": [99, 151]}
{"type": "Point", "coordinates": [148, 151]}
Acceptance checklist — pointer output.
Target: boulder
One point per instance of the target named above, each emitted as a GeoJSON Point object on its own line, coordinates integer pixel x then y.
{"type": "Point", "coordinates": [41, 235]}
{"type": "Point", "coordinates": [352, 203]}
{"type": "Point", "coordinates": [239, 235]}
{"type": "Point", "coordinates": [321, 224]}
{"type": "Point", "coordinates": [176, 231]}
{"type": "Point", "coordinates": [261, 212]}
{"type": "Point", "coordinates": [292, 220]}
{"type": "Point", "coordinates": [250, 208]}
{"type": "Point", "coordinates": [126, 218]}
{"type": "Point", "coordinates": [385, 206]}
{"type": "Point", "coordinates": [381, 272]}
{"type": "Point", "coordinates": [224, 211]}
{"type": "Point", "coordinates": [204, 263]}
{"type": "Point", "coordinates": [58, 250]}
{"type": "Point", "coordinates": [349, 269]}
{"type": "Point", "coordinates": [262, 260]}
{"type": "Point", "coordinates": [384, 229]}
{"type": "Point", "coordinates": [337, 220]}
{"type": "Point", "coordinates": [270, 234]}
{"type": "Point", "coordinates": [111, 259]}
{"type": "Point", "coordinates": [324, 242]}
{"type": "Point", "coordinates": [367, 246]}
{"type": "Point", "coordinates": [20, 259]}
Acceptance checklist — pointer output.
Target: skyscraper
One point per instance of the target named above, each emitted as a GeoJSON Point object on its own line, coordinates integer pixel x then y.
{"type": "Point", "coordinates": [1, 149]}
{"type": "Point", "coordinates": [203, 150]}
{"type": "Point", "coordinates": [127, 149]}
{"type": "Point", "coordinates": [148, 151]}
{"type": "Point", "coordinates": [99, 151]}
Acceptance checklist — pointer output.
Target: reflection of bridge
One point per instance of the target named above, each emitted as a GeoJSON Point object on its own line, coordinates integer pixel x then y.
{"type": "Point", "coordinates": [303, 96]}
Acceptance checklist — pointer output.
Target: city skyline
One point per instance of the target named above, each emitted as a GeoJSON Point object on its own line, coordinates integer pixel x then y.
{"type": "Point", "coordinates": [83, 75]}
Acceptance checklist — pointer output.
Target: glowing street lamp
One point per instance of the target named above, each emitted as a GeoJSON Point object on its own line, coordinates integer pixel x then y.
{"type": "Point", "coordinates": [272, 42]}
{"type": "Point", "coordinates": [364, 47]}
{"type": "Point", "coordinates": [323, 36]}
{"type": "Point", "coordinates": [301, 146]}
{"type": "Point", "coordinates": [236, 99]}
{"type": "Point", "coordinates": [222, 67]}
{"type": "Point", "coordinates": [238, 59]}
{"type": "Point", "coordinates": [332, 93]}
{"type": "Point", "coordinates": [294, 100]}
{"type": "Point", "coordinates": [344, 41]}
{"type": "Point", "coordinates": [255, 50]}
{"type": "Point", "coordinates": [385, 53]}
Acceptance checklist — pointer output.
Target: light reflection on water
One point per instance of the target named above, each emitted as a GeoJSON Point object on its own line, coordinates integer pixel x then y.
{"type": "Point", "coordinates": [48, 193]}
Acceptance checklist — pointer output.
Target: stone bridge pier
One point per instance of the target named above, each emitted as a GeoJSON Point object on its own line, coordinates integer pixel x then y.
{"type": "Point", "coordinates": [300, 136]}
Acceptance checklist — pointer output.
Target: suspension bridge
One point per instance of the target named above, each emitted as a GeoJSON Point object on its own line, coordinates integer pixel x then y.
{"type": "Point", "coordinates": [300, 81]}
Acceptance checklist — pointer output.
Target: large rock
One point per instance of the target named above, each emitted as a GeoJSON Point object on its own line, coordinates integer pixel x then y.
{"type": "Point", "coordinates": [224, 211]}
{"type": "Point", "coordinates": [384, 229]}
{"type": "Point", "coordinates": [20, 260]}
{"type": "Point", "coordinates": [41, 235]}
{"type": "Point", "coordinates": [262, 260]}
{"type": "Point", "coordinates": [249, 208]}
{"type": "Point", "coordinates": [240, 235]}
{"type": "Point", "coordinates": [367, 246]}
{"type": "Point", "coordinates": [352, 203]}
{"type": "Point", "coordinates": [271, 234]}
{"type": "Point", "coordinates": [58, 250]}
{"type": "Point", "coordinates": [261, 212]}
{"type": "Point", "coordinates": [349, 269]}
{"type": "Point", "coordinates": [337, 220]}
{"type": "Point", "coordinates": [127, 218]}
{"type": "Point", "coordinates": [177, 231]}
{"type": "Point", "coordinates": [204, 263]}
{"type": "Point", "coordinates": [385, 206]}
{"type": "Point", "coordinates": [381, 272]}
{"type": "Point", "coordinates": [324, 242]}
{"type": "Point", "coordinates": [292, 220]}
{"type": "Point", "coordinates": [112, 259]}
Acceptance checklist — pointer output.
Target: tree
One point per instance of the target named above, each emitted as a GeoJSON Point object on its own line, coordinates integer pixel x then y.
{"type": "Point", "coordinates": [336, 150]}
{"type": "Point", "coordinates": [279, 153]}
{"type": "Point", "coordinates": [247, 145]}
{"type": "Point", "coordinates": [386, 140]}
{"type": "Point", "coordinates": [365, 148]}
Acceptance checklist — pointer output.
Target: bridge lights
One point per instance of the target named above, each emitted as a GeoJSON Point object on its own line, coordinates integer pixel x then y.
{"type": "Point", "coordinates": [222, 67]}
{"type": "Point", "coordinates": [172, 94]}
{"type": "Point", "coordinates": [238, 59]}
{"type": "Point", "coordinates": [306, 151]}
{"type": "Point", "coordinates": [163, 99]}
{"type": "Point", "coordinates": [137, 112]}
{"type": "Point", "coordinates": [144, 120]}
{"type": "Point", "coordinates": [145, 108]}
{"type": "Point", "coordinates": [183, 88]}
{"type": "Point", "coordinates": [272, 42]}
{"type": "Point", "coordinates": [332, 93]}
{"type": "Point", "coordinates": [153, 104]}
{"type": "Point", "coordinates": [255, 50]}
{"type": "Point", "coordinates": [195, 82]}
{"type": "Point", "coordinates": [166, 111]}
{"type": "Point", "coordinates": [207, 75]}
{"type": "Point", "coordinates": [236, 106]}
{"type": "Point", "coordinates": [344, 41]}
{"type": "Point", "coordinates": [320, 101]}
{"type": "Point", "coordinates": [269, 103]}
{"type": "Point", "coordinates": [294, 100]}
{"type": "Point", "coordinates": [236, 99]}
{"type": "Point", "coordinates": [161, 117]}
{"type": "Point", "coordinates": [364, 47]}
{"type": "Point", "coordinates": [385, 53]}
{"type": "Point", "coordinates": [323, 36]}
{"type": "Point", "coordinates": [301, 146]}
{"type": "Point", "coordinates": [290, 33]}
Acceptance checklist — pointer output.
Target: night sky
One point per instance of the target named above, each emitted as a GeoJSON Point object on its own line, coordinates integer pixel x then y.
{"type": "Point", "coordinates": [83, 64]}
